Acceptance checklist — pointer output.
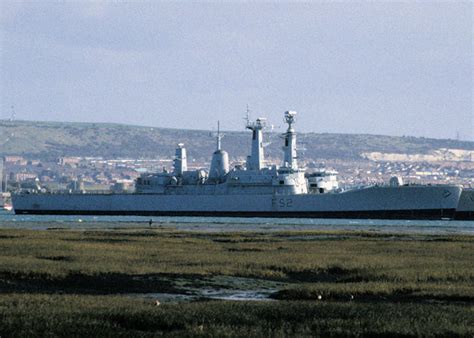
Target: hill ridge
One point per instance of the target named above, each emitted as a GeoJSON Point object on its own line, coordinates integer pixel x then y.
{"type": "Point", "coordinates": [54, 139]}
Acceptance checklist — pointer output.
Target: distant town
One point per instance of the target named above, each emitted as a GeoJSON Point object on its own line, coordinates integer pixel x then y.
{"type": "Point", "coordinates": [100, 174]}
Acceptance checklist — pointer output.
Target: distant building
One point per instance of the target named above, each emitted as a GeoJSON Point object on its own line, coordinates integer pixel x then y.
{"type": "Point", "coordinates": [19, 177]}
{"type": "Point", "coordinates": [13, 159]}
{"type": "Point", "coordinates": [72, 161]}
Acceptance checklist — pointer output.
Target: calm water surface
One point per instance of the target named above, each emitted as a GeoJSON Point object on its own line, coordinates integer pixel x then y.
{"type": "Point", "coordinates": [219, 224]}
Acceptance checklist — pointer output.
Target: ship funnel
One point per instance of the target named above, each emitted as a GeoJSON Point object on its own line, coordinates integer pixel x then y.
{"type": "Point", "coordinates": [180, 162]}
{"type": "Point", "coordinates": [220, 159]}
{"type": "Point", "coordinates": [219, 165]}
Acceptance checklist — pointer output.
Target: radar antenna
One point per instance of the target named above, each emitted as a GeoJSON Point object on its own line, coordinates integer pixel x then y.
{"type": "Point", "coordinates": [290, 118]}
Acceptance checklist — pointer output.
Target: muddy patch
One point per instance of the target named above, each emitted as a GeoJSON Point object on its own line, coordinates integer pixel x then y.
{"type": "Point", "coordinates": [168, 287]}
{"type": "Point", "coordinates": [217, 287]}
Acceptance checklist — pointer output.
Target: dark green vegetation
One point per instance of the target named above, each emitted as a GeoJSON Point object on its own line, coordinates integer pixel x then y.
{"type": "Point", "coordinates": [41, 315]}
{"type": "Point", "coordinates": [50, 140]}
{"type": "Point", "coordinates": [329, 283]}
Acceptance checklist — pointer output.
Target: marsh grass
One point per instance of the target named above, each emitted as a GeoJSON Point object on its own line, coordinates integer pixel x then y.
{"type": "Point", "coordinates": [53, 281]}
{"type": "Point", "coordinates": [309, 257]}
{"type": "Point", "coordinates": [57, 315]}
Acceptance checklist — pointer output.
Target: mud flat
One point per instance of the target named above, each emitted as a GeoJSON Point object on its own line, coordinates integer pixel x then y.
{"type": "Point", "coordinates": [288, 283]}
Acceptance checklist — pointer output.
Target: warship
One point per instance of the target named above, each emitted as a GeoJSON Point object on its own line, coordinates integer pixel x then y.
{"type": "Point", "coordinates": [251, 190]}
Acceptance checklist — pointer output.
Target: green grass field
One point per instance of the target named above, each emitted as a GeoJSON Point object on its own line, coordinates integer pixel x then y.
{"type": "Point", "coordinates": [60, 282]}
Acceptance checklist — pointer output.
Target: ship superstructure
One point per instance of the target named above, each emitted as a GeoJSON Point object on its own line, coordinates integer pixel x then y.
{"type": "Point", "coordinates": [255, 190]}
{"type": "Point", "coordinates": [254, 179]}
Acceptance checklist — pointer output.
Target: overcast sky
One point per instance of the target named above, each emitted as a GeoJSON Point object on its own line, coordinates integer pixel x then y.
{"type": "Point", "coordinates": [371, 67]}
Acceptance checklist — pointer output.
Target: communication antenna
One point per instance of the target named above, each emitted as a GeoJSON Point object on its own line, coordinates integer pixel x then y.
{"type": "Point", "coordinates": [219, 136]}
{"type": "Point", "coordinates": [247, 115]}
{"type": "Point", "coordinates": [13, 114]}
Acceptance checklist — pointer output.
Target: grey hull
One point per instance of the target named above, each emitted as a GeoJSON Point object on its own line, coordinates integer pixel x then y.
{"type": "Point", "coordinates": [405, 202]}
{"type": "Point", "coordinates": [465, 209]}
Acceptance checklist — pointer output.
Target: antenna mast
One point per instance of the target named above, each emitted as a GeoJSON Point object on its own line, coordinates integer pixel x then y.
{"type": "Point", "coordinates": [290, 142]}
{"type": "Point", "coordinates": [247, 115]}
{"type": "Point", "coordinates": [12, 116]}
{"type": "Point", "coordinates": [219, 136]}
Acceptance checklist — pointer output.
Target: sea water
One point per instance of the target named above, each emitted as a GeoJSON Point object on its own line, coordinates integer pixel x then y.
{"type": "Point", "coordinates": [225, 224]}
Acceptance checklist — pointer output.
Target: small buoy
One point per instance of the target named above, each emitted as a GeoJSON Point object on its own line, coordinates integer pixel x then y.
{"type": "Point", "coordinates": [80, 220]}
{"type": "Point", "coordinates": [157, 303]}
{"type": "Point", "coordinates": [320, 297]}
{"type": "Point", "coordinates": [351, 297]}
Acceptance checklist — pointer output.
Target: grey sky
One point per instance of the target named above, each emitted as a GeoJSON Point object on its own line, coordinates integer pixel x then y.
{"type": "Point", "coordinates": [374, 67]}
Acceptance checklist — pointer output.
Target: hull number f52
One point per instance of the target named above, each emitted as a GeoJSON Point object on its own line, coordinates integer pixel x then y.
{"type": "Point", "coordinates": [282, 203]}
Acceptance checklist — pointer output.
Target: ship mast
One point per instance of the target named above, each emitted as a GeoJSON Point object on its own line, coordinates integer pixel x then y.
{"type": "Point", "coordinates": [290, 160]}
{"type": "Point", "coordinates": [180, 162]}
{"type": "Point", "coordinates": [255, 160]}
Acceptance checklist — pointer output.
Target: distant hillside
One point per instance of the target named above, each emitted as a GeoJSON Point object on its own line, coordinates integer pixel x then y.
{"type": "Point", "coordinates": [53, 139]}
